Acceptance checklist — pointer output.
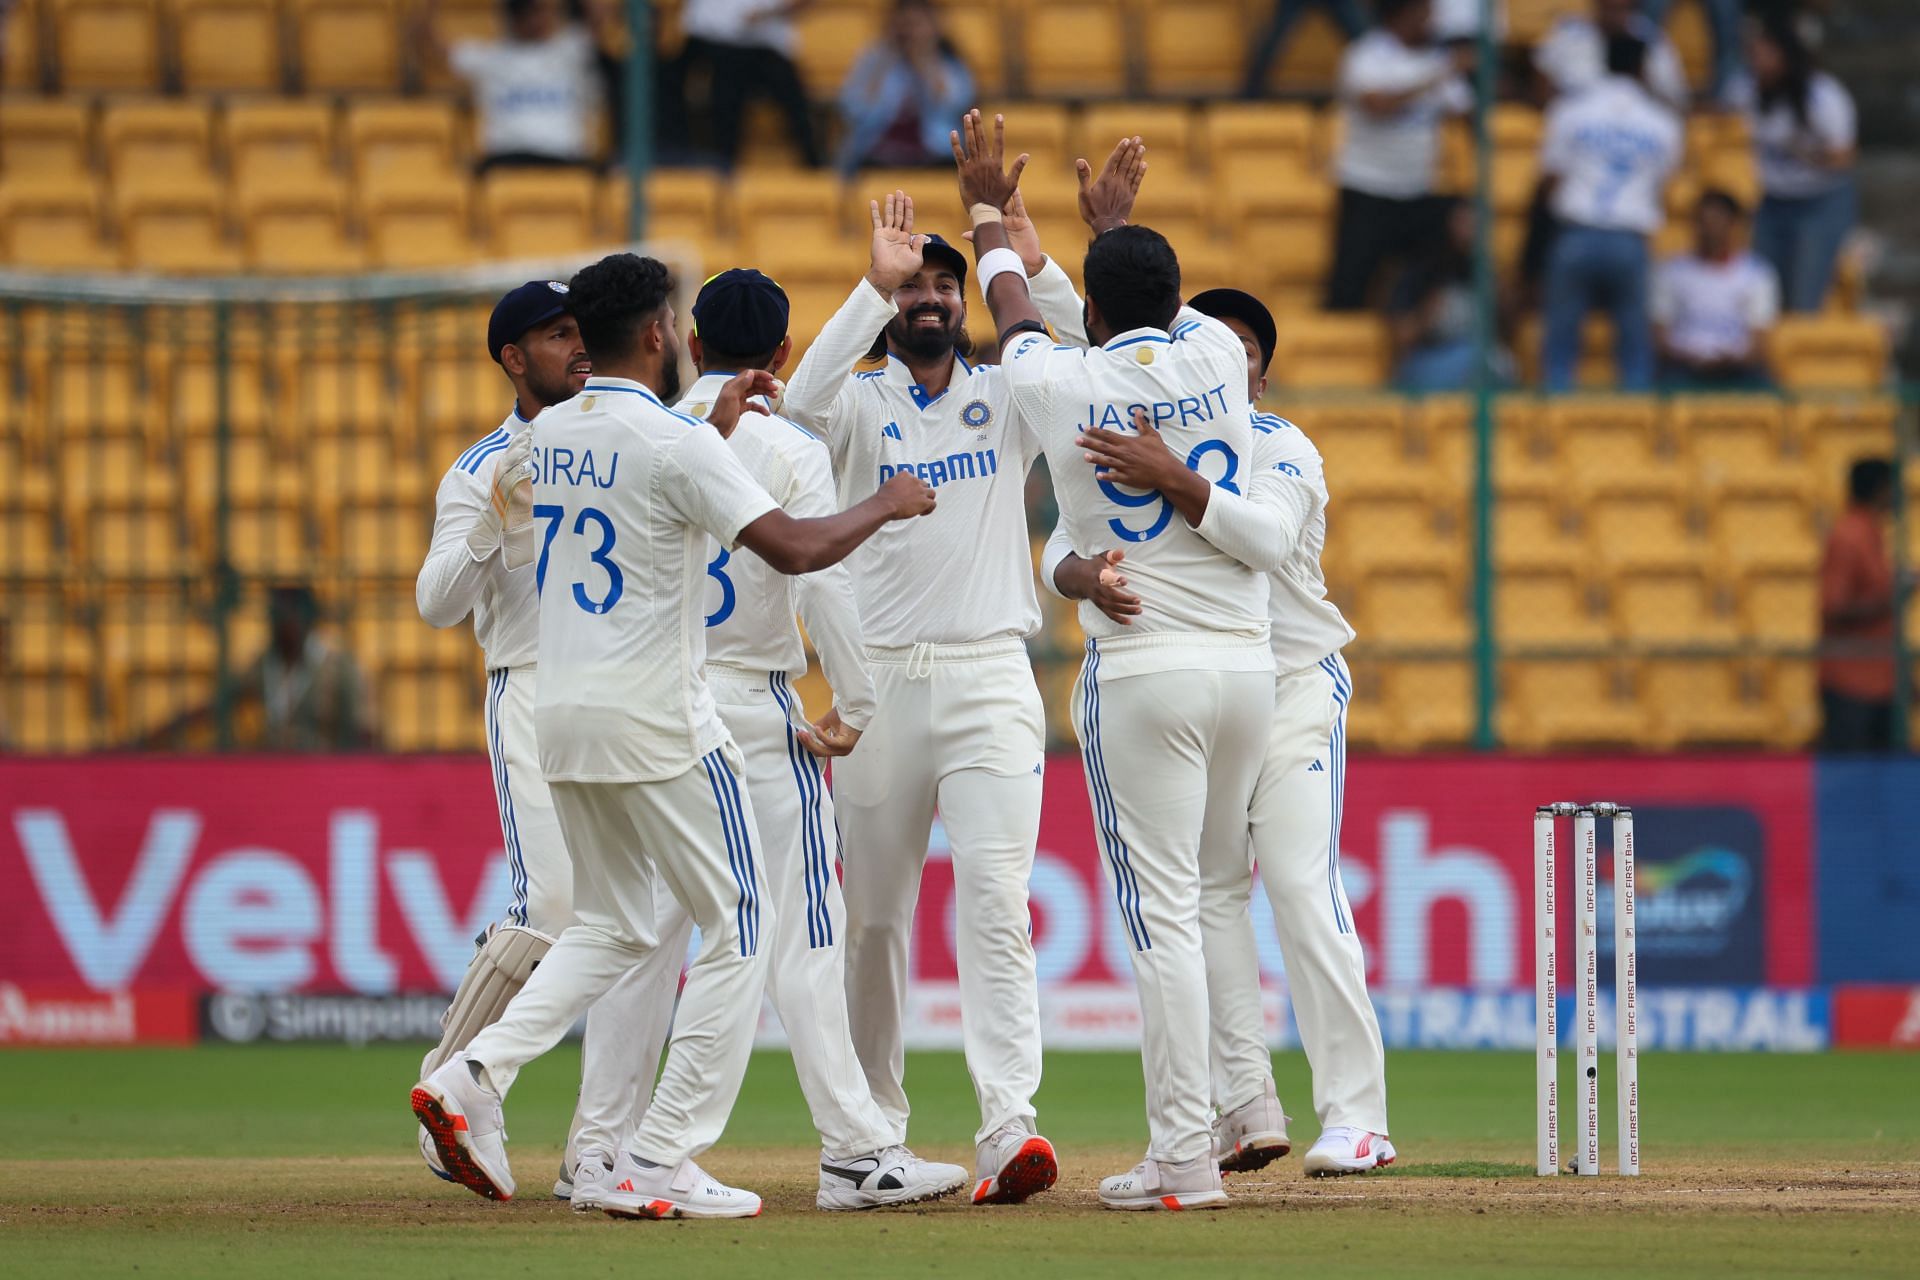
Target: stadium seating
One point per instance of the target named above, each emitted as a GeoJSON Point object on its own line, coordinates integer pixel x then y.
{"type": "Point", "coordinates": [1074, 48]}
{"type": "Point", "coordinates": [228, 46]}
{"type": "Point", "coordinates": [347, 45]}
{"type": "Point", "coordinates": [107, 44]}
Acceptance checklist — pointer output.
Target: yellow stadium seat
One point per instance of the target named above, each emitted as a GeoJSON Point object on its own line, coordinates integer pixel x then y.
{"type": "Point", "coordinates": [141, 542]}
{"type": "Point", "coordinates": [1793, 693]}
{"type": "Point", "coordinates": [1074, 48]}
{"type": "Point", "coordinates": [1166, 127]}
{"type": "Point", "coordinates": [1614, 444]}
{"type": "Point", "coordinates": [412, 224]}
{"type": "Point", "coordinates": [395, 639]}
{"type": "Point", "coordinates": [1332, 351]}
{"type": "Point", "coordinates": [1765, 532]}
{"type": "Point", "coordinates": [1738, 444]}
{"type": "Point", "coordinates": [1705, 702]}
{"type": "Point", "coordinates": [461, 400]}
{"type": "Point", "coordinates": [265, 542]}
{"type": "Point", "coordinates": [1044, 130]}
{"type": "Point", "coordinates": [347, 44]}
{"type": "Point", "coordinates": [47, 714]}
{"type": "Point", "coordinates": [92, 394]}
{"type": "Point", "coordinates": [1311, 60]}
{"type": "Point", "coordinates": [1415, 609]}
{"type": "Point", "coordinates": [1829, 353]}
{"type": "Point", "coordinates": [381, 540]}
{"type": "Point", "coordinates": [193, 398]}
{"type": "Point", "coordinates": [107, 44]}
{"type": "Point", "coordinates": [1373, 534]}
{"type": "Point", "coordinates": [1255, 195]}
{"type": "Point", "coordinates": [27, 546]}
{"type": "Point", "coordinates": [979, 33]}
{"type": "Point", "coordinates": [1204, 264]}
{"type": "Point", "coordinates": [1537, 531]}
{"type": "Point", "coordinates": [289, 140]}
{"type": "Point", "coordinates": [832, 38]}
{"type": "Point", "coordinates": [682, 204]}
{"type": "Point", "coordinates": [254, 478]}
{"type": "Point", "coordinates": [1257, 136]}
{"type": "Point", "coordinates": [1782, 608]}
{"type": "Point", "coordinates": [455, 22]}
{"type": "Point", "coordinates": [361, 470]}
{"type": "Point", "coordinates": [1426, 704]}
{"type": "Point", "coordinates": [786, 207]}
{"type": "Point", "coordinates": [538, 211]}
{"type": "Point", "coordinates": [1547, 608]}
{"type": "Point", "coordinates": [157, 141]}
{"type": "Point", "coordinates": [1834, 434]}
{"type": "Point", "coordinates": [430, 711]}
{"type": "Point", "coordinates": [1559, 703]}
{"type": "Point", "coordinates": [297, 226]}
{"type": "Point", "coordinates": [1363, 445]}
{"type": "Point", "coordinates": [1526, 457]}
{"type": "Point", "coordinates": [22, 69]}
{"type": "Point", "coordinates": [44, 137]}
{"type": "Point", "coordinates": [228, 46]}
{"type": "Point", "coordinates": [53, 223]}
{"type": "Point", "coordinates": [346, 394]}
{"type": "Point", "coordinates": [1664, 608]}
{"type": "Point", "coordinates": [1195, 48]}
{"type": "Point", "coordinates": [1641, 532]}
{"type": "Point", "coordinates": [1182, 213]}
{"type": "Point", "coordinates": [412, 136]}
{"type": "Point", "coordinates": [1736, 172]}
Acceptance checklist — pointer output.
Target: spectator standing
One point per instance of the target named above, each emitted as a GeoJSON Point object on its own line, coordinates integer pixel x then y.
{"type": "Point", "coordinates": [903, 95]}
{"type": "Point", "coordinates": [537, 92]}
{"type": "Point", "coordinates": [1272, 40]}
{"type": "Point", "coordinates": [1431, 311]}
{"type": "Point", "coordinates": [1573, 57]}
{"type": "Point", "coordinates": [1803, 126]}
{"type": "Point", "coordinates": [1713, 308]}
{"type": "Point", "coordinates": [1858, 596]}
{"type": "Point", "coordinates": [1394, 91]}
{"type": "Point", "coordinates": [747, 47]}
{"type": "Point", "coordinates": [1607, 151]}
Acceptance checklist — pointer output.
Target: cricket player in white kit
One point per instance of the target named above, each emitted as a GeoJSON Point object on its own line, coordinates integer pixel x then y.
{"type": "Point", "coordinates": [646, 782]}
{"type": "Point", "coordinates": [946, 604]}
{"type": "Point", "coordinates": [1294, 818]}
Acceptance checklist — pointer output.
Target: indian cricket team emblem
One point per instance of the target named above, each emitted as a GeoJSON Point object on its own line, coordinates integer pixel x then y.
{"type": "Point", "coordinates": [977, 415]}
{"type": "Point", "coordinates": [556, 286]}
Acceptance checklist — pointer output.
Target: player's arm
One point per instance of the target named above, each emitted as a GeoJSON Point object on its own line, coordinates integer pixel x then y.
{"type": "Point", "coordinates": [821, 394]}
{"type": "Point", "coordinates": [832, 617]}
{"type": "Point", "coordinates": [469, 525]}
{"type": "Point", "coordinates": [806, 546]}
{"type": "Point", "coordinates": [986, 188]}
{"type": "Point", "coordinates": [1052, 288]}
{"type": "Point", "coordinates": [1100, 580]}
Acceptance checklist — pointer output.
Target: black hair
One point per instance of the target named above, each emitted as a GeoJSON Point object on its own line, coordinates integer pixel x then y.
{"type": "Point", "coordinates": [613, 299]}
{"type": "Point", "coordinates": [1385, 11]}
{"type": "Point", "coordinates": [517, 9]}
{"type": "Point", "coordinates": [1778, 28]}
{"type": "Point", "coordinates": [948, 49]}
{"type": "Point", "coordinates": [1722, 197]}
{"type": "Point", "coordinates": [714, 358]}
{"type": "Point", "coordinates": [1133, 276]}
{"type": "Point", "coordinates": [1870, 479]}
{"type": "Point", "coordinates": [1626, 55]}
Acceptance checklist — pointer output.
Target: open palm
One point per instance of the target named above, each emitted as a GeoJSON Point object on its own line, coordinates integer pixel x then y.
{"type": "Point", "coordinates": [897, 252]}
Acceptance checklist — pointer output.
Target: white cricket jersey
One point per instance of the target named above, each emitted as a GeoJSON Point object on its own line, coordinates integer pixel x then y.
{"type": "Point", "coordinates": [1192, 381]}
{"type": "Point", "coordinates": [1573, 58]}
{"type": "Point", "coordinates": [452, 583]}
{"type": "Point", "coordinates": [1306, 626]}
{"type": "Point", "coordinates": [1394, 155]}
{"type": "Point", "coordinates": [626, 494]}
{"type": "Point", "coordinates": [1612, 147]}
{"type": "Point", "coordinates": [749, 606]}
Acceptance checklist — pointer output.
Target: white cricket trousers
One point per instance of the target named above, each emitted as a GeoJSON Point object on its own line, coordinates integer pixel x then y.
{"type": "Point", "coordinates": [1171, 756]}
{"type": "Point", "coordinates": [806, 979]}
{"type": "Point", "coordinates": [694, 834]}
{"type": "Point", "coordinates": [541, 875]}
{"type": "Point", "coordinates": [1295, 840]}
{"type": "Point", "coordinates": [960, 730]}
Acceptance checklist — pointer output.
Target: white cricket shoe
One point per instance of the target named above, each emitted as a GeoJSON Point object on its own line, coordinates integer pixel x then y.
{"type": "Point", "coordinates": [1341, 1149]}
{"type": "Point", "coordinates": [591, 1178]}
{"type": "Point", "coordinates": [659, 1192]}
{"type": "Point", "coordinates": [563, 1185]}
{"type": "Point", "coordinates": [431, 1155]}
{"type": "Point", "coordinates": [462, 1116]}
{"type": "Point", "coordinates": [1013, 1164]}
{"type": "Point", "coordinates": [892, 1175]}
{"type": "Point", "coordinates": [1252, 1135]}
{"type": "Point", "coordinates": [1190, 1184]}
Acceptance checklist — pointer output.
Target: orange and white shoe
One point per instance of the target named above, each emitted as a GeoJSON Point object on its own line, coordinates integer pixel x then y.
{"type": "Point", "coordinates": [633, 1190]}
{"type": "Point", "coordinates": [462, 1116]}
{"type": "Point", "coordinates": [1012, 1165]}
{"type": "Point", "coordinates": [1252, 1135]}
{"type": "Point", "coordinates": [1341, 1149]}
{"type": "Point", "coordinates": [1153, 1184]}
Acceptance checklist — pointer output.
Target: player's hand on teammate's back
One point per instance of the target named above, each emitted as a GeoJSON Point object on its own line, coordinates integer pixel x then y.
{"type": "Point", "coordinates": [1099, 580]}
{"type": "Point", "coordinates": [896, 249]}
{"type": "Point", "coordinates": [1140, 461]}
{"type": "Point", "coordinates": [831, 737]}
{"type": "Point", "coordinates": [980, 157]}
{"type": "Point", "coordinates": [907, 494]}
{"type": "Point", "coordinates": [736, 398]}
{"type": "Point", "coordinates": [1106, 199]}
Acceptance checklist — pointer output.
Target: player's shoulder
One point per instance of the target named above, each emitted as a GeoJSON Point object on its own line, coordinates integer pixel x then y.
{"type": "Point", "coordinates": [474, 458]}
{"type": "Point", "coordinates": [1282, 436]}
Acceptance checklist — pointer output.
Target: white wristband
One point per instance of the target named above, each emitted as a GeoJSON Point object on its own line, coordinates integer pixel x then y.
{"type": "Point", "coordinates": [998, 262]}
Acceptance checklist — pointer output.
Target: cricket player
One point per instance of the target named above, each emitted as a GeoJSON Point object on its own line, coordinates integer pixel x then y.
{"type": "Point", "coordinates": [537, 345]}
{"type": "Point", "coordinates": [945, 604]}
{"type": "Point", "coordinates": [754, 651]}
{"type": "Point", "coordinates": [1294, 818]}
{"type": "Point", "coordinates": [646, 781]}
{"type": "Point", "coordinates": [1171, 708]}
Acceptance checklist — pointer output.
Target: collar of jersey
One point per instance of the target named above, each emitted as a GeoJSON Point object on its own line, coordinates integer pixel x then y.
{"type": "Point", "coordinates": [1134, 337]}
{"type": "Point", "coordinates": [919, 393]}
{"type": "Point", "coordinates": [627, 385]}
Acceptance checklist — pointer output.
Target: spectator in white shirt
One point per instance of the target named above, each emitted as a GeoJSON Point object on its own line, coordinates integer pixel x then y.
{"type": "Point", "coordinates": [1607, 153]}
{"type": "Point", "coordinates": [1573, 57]}
{"type": "Point", "coordinates": [537, 92]}
{"type": "Point", "coordinates": [746, 48]}
{"type": "Point", "coordinates": [1395, 88]}
{"type": "Point", "coordinates": [1803, 126]}
{"type": "Point", "coordinates": [1713, 308]}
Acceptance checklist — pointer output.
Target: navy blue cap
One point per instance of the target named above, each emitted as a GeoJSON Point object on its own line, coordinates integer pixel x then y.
{"type": "Point", "coordinates": [740, 312]}
{"type": "Point", "coordinates": [1236, 304]}
{"type": "Point", "coordinates": [936, 252]}
{"type": "Point", "coordinates": [535, 302]}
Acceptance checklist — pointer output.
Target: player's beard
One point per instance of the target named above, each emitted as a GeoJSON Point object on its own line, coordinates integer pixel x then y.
{"type": "Point", "coordinates": [670, 377]}
{"type": "Point", "coordinates": [550, 392]}
{"type": "Point", "coordinates": [922, 343]}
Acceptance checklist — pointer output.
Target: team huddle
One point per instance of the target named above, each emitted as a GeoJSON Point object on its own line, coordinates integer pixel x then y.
{"type": "Point", "coordinates": [635, 559]}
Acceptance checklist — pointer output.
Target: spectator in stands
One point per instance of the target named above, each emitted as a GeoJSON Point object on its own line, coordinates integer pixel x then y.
{"type": "Point", "coordinates": [1573, 57]}
{"type": "Point", "coordinates": [1430, 314]}
{"type": "Point", "coordinates": [903, 95]}
{"type": "Point", "coordinates": [1803, 131]}
{"type": "Point", "coordinates": [1713, 308]}
{"type": "Point", "coordinates": [1272, 40]}
{"type": "Point", "coordinates": [746, 48]}
{"type": "Point", "coordinates": [538, 91]}
{"type": "Point", "coordinates": [1858, 595]}
{"type": "Point", "coordinates": [1607, 152]}
{"type": "Point", "coordinates": [1394, 90]}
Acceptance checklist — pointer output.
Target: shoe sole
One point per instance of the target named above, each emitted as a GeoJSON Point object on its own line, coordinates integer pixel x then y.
{"type": "Point", "coordinates": [1033, 1169]}
{"type": "Point", "coordinates": [445, 1129]}
{"type": "Point", "coordinates": [1256, 1155]}
{"type": "Point", "coordinates": [1176, 1203]}
{"type": "Point", "coordinates": [920, 1197]}
{"type": "Point", "coordinates": [660, 1210]}
{"type": "Point", "coordinates": [1341, 1171]}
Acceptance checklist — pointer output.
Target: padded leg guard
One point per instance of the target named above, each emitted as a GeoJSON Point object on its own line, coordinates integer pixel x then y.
{"type": "Point", "coordinates": [500, 968]}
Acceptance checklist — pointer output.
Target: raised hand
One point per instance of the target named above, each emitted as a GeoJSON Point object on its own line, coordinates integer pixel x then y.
{"type": "Point", "coordinates": [907, 495]}
{"type": "Point", "coordinates": [736, 398]}
{"type": "Point", "coordinates": [1106, 199]}
{"type": "Point", "coordinates": [897, 251]}
{"type": "Point", "coordinates": [980, 159]}
{"type": "Point", "coordinates": [1022, 236]}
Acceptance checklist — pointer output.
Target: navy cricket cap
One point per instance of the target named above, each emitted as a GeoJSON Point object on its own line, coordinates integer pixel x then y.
{"type": "Point", "coordinates": [936, 252]}
{"type": "Point", "coordinates": [740, 312]}
{"type": "Point", "coordinates": [1235, 304]}
{"type": "Point", "coordinates": [535, 302]}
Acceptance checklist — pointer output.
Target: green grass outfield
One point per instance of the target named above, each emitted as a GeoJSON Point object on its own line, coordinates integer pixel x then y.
{"type": "Point", "coordinates": [248, 1161]}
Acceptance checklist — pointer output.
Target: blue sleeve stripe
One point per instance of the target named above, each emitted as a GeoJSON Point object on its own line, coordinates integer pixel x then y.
{"type": "Point", "coordinates": [480, 456]}
{"type": "Point", "coordinates": [497, 436]}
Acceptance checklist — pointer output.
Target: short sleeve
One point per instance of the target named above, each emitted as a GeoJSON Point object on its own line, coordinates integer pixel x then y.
{"type": "Point", "coordinates": [1763, 296]}
{"type": "Point", "coordinates": [1553, 138]}
{"type": "Point", "coordinates": [1830, 112]}
{"type": "Point", "coordinates": [813, 489]}
{"type": "Point", "coordinates": [708, 488]}
{"type": "Point", "coordinates": [1029, 365]}
{"type": "Point", "coordinates": [471, 59]}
